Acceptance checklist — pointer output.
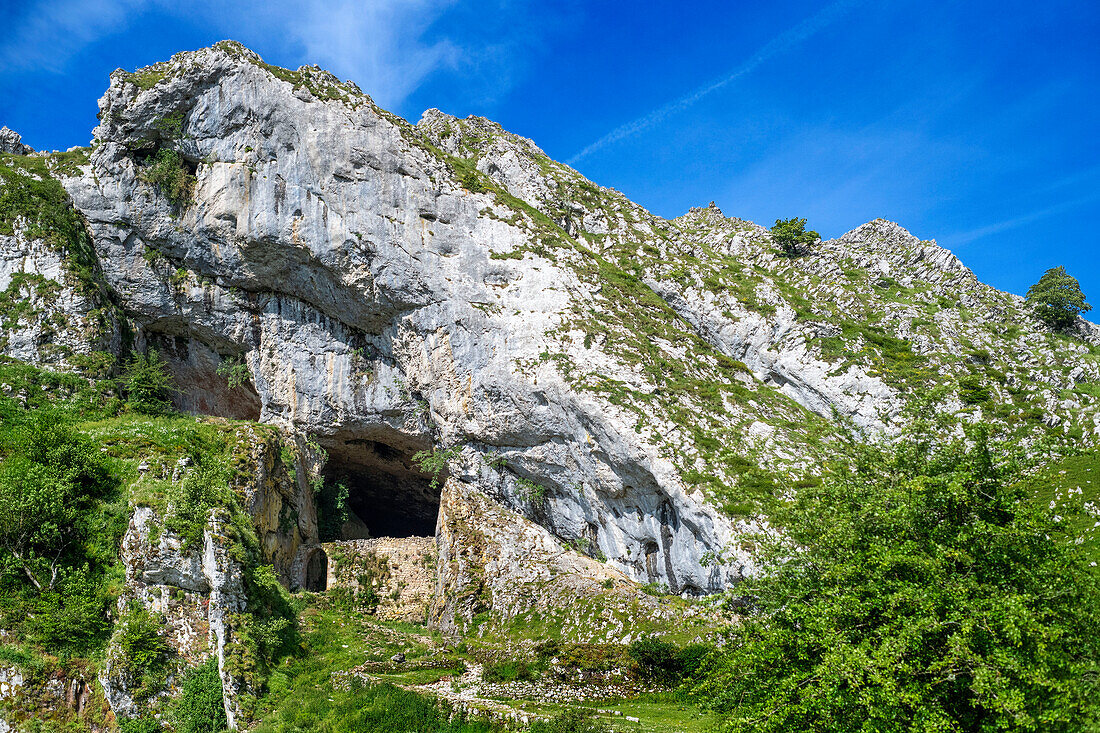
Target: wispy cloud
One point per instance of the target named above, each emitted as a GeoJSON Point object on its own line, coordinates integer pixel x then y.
{"type": "Point", "coordinates": [46, 35]}
{"type": "Point", "coordinates": [963, 238]}
{"type": "Point", "coordinates": [780, 44]}
{"type": "Point", "coordinates": [377, 43]}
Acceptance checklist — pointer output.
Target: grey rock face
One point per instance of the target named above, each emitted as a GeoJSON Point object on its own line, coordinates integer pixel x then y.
{"type": "Point", "coordinates": [334, 252]}
{"type": "Point", "coordinates": [198, 589]}
{"type": "Point", "coordinates": [12, 142]}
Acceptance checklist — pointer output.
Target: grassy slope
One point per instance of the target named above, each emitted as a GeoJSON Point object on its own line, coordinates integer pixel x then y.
{"type": "Point", "coordinates": [1072, 486]}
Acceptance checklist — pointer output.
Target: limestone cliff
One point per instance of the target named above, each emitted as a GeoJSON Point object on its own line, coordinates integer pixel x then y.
{"type": "Point", "coordinates": [633, 388]}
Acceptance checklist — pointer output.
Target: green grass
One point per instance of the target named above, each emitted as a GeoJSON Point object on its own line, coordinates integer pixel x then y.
{"type": "Point", "coordinates": [311, 690]}
{"type": "Point", "coordinates": [30, 194]}
{"type": "Point", "coordinates": [656, 713]}
{"type": "Point", "coordinates": [1069, 485]}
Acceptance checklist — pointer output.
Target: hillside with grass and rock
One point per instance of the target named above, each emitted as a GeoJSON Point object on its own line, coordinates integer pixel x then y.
{"type": "Point", "coordinates": [317, 419]}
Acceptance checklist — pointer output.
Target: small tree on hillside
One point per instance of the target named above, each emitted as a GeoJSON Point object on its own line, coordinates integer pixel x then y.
{"type": "Point", "coordinates": [792, 237]}
{"type": "Point", "coordinates": [1057, 298]}
{"type": "Point", "coordinates": [149, 386]}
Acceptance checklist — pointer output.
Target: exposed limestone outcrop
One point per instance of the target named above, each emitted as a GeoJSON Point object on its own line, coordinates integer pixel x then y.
{"type": "Point", "coordinates": [12, 142]}
{"type": "Point", "coordinates": [198, 589]}
{"type": "Point", "coordinates": [572, 392]}
{"type": "Point", "coordinates": [338, 256]}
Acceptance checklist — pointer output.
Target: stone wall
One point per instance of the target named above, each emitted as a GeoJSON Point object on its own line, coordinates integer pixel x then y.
{"type": "Point", "coordinates": [401, 571]}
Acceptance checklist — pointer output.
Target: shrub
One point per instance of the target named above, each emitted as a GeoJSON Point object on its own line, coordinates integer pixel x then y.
{"type": "Point", "coordinates": [203, 488]}
{"type": "Point", "coordinates": [143, 724]}
{"type": "Point", "coordinates": [972, 391]}
{"type": "Point", "coordinates": [144, 655]}
{"type": "Point", "coordinates": [920, 589]}
{"type": "Point", "coordinates": [148, 385]}
{"type": "Point", "coordinates": [332, 509]}
{"type": "Point", "coordinates": [50, 514]}
{"type": "Point", "coordinates": [201, 705]}
{"type": "Point", "coordinates": [692, 657]}
{"type": "Point", "coordinates": [235, 372]}
{"type": "Point", "coordinates": [168, 171]}
{"type": "Point", "coordinates": [792, 237]}
{"type": "Point", "coordinates": [657, 660]}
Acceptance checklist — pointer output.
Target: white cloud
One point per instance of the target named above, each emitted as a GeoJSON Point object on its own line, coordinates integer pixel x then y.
{"type": "Point", "coordinates": [376, 43]}
{"type": "Point", "coordinates": [46, 35]}
{"type": "Point", "coordinates": [783, 42]}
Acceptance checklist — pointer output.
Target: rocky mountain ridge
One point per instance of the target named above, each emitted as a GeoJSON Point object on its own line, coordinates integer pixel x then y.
{"type": "Point", "coordinates": [625, 394]}
{"type": "Point", "coordinates": [384, 279]}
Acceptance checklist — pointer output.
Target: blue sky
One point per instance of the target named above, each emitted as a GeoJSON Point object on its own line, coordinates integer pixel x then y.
{"type": "Point", "coordinates": [973, 123]}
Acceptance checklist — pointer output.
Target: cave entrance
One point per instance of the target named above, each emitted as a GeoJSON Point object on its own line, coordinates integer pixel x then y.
{"type": "Point", "coordinates": [317, 571]}
{"type": "Point", "coordinates": [387, 495]}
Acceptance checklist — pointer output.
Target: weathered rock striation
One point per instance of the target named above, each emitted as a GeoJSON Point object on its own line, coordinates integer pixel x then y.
{"type": "Point", "coordinates": [603, 395]}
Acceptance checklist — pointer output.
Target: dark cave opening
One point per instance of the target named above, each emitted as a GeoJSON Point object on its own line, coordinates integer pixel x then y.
{"type": "Point", "coordinates": [384, 491]}
{"type": "Point", "coordinates": [317, 571]}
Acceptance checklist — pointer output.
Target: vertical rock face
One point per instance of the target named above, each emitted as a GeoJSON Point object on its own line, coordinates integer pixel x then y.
{"type": "Point", "coordinates": [373, 298]}
{"type": "Point", "coordinates": [563, 388]}
{"type": "Point", "coordinates": [197, 589]}
{"type": "Point", "coordinates": [12, 142]}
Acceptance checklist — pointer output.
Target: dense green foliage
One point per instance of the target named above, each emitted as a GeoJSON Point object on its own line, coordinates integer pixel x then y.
{"type": "Point", "coordinates": [148, 385]}
{"type": "Point", "coordinates": [201, 706]}
{"type": "Point", "coordinates": [29, 193]}
{"type": "Point", "coordinates": [1057, 298]}
{"type": "Point", "coordinates": [168, 171]}
{"type": "Point", "coordinates": [665, 663]}
{"type": "Point", "coordinates": [918, 590]}
{"type": "Point", "coordinates": [792, 236]}
{"type": "Point", "coordinates": [143, 654]}
{"type": "Point", "coordinates": [59, 532]}
{"type": "Point", "coordinates": [332, 509]}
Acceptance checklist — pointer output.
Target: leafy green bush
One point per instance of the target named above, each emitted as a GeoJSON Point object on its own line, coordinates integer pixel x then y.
{"type": "Point", "coordinates": [1057, 298]}
{"type": "Point", "coordinates": [657, 660]}
{"type": "Point", "coordinates": [919, 589]}
{"type": "Point", "coordinates": [201, 705]}
{"type": "Point", "coordinates": [52, 575]}
{"type": "Point", "coordinates": [203, 488]}
{"type": "Point", "coordinates": [235, 372]}
{"type": "Point", "coordinates": [972, 391]}
{"type": "Point", "coordinates": [792, 236]}
{"type": "Point", "coordinates": [142, 724]}
{"type": "Point", "coordinates": [149, 387]}
{"type": "Point", "coordinates": [144, 655]}
{"type": "Point", "coordinates": [332, 509]}
{"type": "Point", "coordinates": [168, 171]}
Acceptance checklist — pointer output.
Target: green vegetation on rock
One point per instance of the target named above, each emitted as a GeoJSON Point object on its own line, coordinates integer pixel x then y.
{"type": "Point", "coordinates": [792, 236]}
